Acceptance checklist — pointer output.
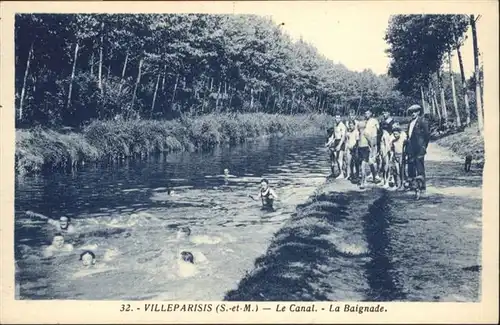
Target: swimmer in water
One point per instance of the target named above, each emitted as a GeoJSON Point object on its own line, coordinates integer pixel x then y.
{"type": "Point", "coordinates": [184, 236]}
{"type": "Point", "coordinates": [63, 224]}
{"type": "Point", "coordinates": [267, 195]}
{"type": "Point", "coordinates": [90, 266]}
{"type": "Point", "coordinates": [187, 257]}
{"type": "Point", "coordinates": [186, 266]}
{"type": "Point", "coordinates": [57, 246]}
{"type": "Point", "coordinates": [87, 258]}
{"type": "Point", "coordinates": [183, 233]}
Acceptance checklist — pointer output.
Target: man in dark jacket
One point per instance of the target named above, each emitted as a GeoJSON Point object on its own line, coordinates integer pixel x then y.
{"type": "Point", "coordinates": [418, 139]}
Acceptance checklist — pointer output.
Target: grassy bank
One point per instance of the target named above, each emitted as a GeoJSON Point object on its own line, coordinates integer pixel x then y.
{"type": "Point", "coordinates": [466, 142]}
{"type": "Point", "coordinates": [37, 148]}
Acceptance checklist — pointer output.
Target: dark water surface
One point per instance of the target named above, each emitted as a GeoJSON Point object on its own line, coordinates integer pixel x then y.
{"type": "Point", "coordinates": [125, 215]}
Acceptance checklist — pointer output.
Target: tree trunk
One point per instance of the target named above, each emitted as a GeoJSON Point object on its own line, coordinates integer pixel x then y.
{"type": "Point", "coordinates": [433, 107]}
{"type": "Point", "coordinates": [479, 105]}
{"type": "Point", "coordinates": [232, 90]}
{"type": "Point", "coordinates": [100, 60]}
{"type": "Point", "coordinates": [26, 71]}
{"type": "Point", "coordinates": [123, 74]}
{"type": "Point", "coordinates": [92, 64]}
{"type": "Point", "coordinates": [464, 86]}
{"type": "Point", "coordinates": [453, 91]}
{"type": "Point", "coordinates": [163, 79]}
{"type": "Point", "coordinates": [154, 94]}
{"type": "Point", "coordinates": [443, 100]}
{"type": "Point", "coordinates": [251, 99]}
{"type": "Point", "coordinates": [424, 106]}
{"type": "Point", "coordinates": [435, 101]}
{"type": "Point", "coordinates": [136, 84]}
{"type": "Point", "coordinates": [217, 98]}
{"type": "Point", "coordinates": [173, 93]}
{"type": "Point", "coordinates": [68, 103]}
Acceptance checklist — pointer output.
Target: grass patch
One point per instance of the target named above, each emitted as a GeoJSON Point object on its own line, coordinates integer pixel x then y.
{"type": "Point", "coordinates": [38, 149]}
{"type": "Point", "coordinates": [466, 142]}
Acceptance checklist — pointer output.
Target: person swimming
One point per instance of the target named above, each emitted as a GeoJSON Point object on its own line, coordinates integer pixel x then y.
{"type": "Point", "coordinates": [185, 266]}
{"type": "Point", "coordinates": [267, 195]}
{"type": "Point", "coordinates": [183, 233]}
{"type": "Point", "coordinates": [63, 224]}
{"type": "Point", "coordinates": [87, 258]}
{"type": "Point", "coordinates": [58, 246]}
{"type": "Point", "coordinates": [187, 257]}
{"type": "Point", "coordinates": [90, 267]}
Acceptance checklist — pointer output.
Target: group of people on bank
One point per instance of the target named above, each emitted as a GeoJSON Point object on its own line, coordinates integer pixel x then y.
{"type": "Point", "coordinates": [393, 156]}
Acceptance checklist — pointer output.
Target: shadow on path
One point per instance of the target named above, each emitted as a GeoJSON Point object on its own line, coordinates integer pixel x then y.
{"type": "Point", "coordinates": [315, 256]}
{"type": "Point", "coordinates": [380, 271]}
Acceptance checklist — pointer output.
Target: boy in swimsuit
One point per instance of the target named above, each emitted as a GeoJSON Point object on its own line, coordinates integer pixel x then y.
{"type": "Point", "coordinates": [267, 195]}
{"type": "Point", "coordinates": [385, 152]}
{"type": "Point", "coordinates": [337, 143]}
{"type": "Point", "coordinates": [352, 138]}
{"type": "Point", "coordinates": [367, 148]}
{"type": "Point", "coordinates": [397, 152]}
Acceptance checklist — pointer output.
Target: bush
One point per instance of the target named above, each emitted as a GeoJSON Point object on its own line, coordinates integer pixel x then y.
{"type": "Point", "coordinates": [115, 139]}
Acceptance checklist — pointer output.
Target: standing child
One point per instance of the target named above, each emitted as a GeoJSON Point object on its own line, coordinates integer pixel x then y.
{"type": "Point", "coordinates": [352, 138]}
{"type": "Point", "coordinates": [397, 152]}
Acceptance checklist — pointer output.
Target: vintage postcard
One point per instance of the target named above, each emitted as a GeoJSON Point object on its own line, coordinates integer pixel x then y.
{"type": "Point", "coordinates": [249, 162]}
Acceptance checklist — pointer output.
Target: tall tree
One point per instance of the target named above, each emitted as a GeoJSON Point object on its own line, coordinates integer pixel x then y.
{"type": "Point", "coordinates": [479, 103]}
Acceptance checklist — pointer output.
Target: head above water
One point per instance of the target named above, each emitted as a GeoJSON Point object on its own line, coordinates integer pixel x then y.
{"type": "Point", "coordinates": [386, 114]}
{"type": "Point", "coordinates": [226, 171]}
{"type": "Point", "coordinates": [368, 114]}
{"type": "Point", "coordinates": [187, 257]}
{"type": "Point", "coordinates": [183, 232]}
{"type": "Point", "coordinates": [58, 241]}
{"type": "Point", "coordinates": [337, 119]}
{"type": "Point", "coordinates": [87, 258]}
{"type": "Point", "coordinates": [264, 184]}
{"type": "Point", "coordinates": [64, 222]}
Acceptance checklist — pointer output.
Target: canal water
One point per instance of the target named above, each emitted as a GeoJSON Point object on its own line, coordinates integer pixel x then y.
{"type": "Point", "coordinates": [129, 214]}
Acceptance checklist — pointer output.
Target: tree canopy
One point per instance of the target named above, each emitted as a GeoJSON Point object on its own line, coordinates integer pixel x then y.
{"type": "Point", "coordinates": [74, 68]}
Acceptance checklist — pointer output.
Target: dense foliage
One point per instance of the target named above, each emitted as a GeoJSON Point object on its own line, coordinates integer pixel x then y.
{"type": "Point", "coordinates": [41, 148]}
{"type": "Point", "coordinates": [71, 69]}
{"type": "Point", "coordinates": [421, 49]}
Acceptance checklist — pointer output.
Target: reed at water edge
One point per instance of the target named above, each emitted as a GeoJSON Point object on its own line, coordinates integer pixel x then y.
{"type": "Point", "coordinates": [39, 148]}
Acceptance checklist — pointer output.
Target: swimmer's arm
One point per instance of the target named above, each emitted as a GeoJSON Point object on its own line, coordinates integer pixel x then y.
{"type": "Point", "coordinates": [44, 217]}
{"type": "Point", "coordinates": [273, 193]}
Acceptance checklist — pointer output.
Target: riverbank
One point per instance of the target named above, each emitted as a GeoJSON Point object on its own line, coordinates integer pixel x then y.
{"type": "Point", "coordinates": [465, 142]}
{"type": "Point", "coordinates": [38, 149]}
{"type": "Point", "coordinates": [378, 245]}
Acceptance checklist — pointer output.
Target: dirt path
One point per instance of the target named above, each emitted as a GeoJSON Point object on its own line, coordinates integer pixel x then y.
{"type": "Point", "coordinates": [378, 245]}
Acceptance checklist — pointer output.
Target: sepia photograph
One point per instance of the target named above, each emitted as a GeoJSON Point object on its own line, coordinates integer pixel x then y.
{"type": "Point", "coordinates": [249, 157]}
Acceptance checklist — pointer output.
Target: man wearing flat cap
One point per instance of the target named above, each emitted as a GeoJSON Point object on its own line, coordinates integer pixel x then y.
{"type": "Point", "coordinates": [418, 139]}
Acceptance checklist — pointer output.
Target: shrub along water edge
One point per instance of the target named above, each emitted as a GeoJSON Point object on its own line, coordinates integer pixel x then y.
{"type": "Point", "coordinates": [38, 149]}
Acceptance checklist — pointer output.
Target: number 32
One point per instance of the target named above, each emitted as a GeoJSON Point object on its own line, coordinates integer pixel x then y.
{"type": "Point", "coordinates": [125, 307]}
